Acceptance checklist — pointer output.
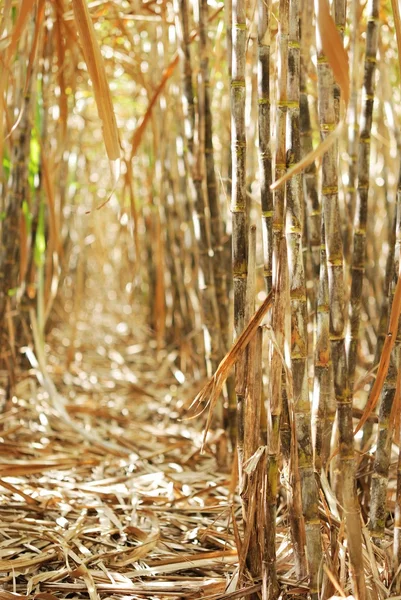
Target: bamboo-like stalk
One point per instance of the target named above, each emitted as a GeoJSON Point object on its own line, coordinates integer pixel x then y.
{"type": "Point", "coordinates": [397, 524]}
{"type": "Point", "coordinates": [353, 131]}
{"type": "Point", "coordinates": [281, 119]}
{"type": "Point", "coordinates": [176, 267]}
{"type": "Point", "coordinates": [333, 242]}
{"type": "Point", "coordinates": [279, 250]}
{"type": "Point", "coordinates": [379, 481]}
{"type": "Point", "coordinates": [361, 210]}
{"type": "Point", "coordinates": [299, 342]}
{"type": "Point", "coordinates": [265, 158]}
{"type": "Point", "coordinates": [383, 323]}
{"type": "Point", "coordinates": [324, 408]}
{"type": "Point", "coordinates": [245, 375]}
{"type": "Point", "coordinates": [251, 496]}
{"type": "Point", "coordinates": [216, 223]}
{"type": "Point", "coordinates": [238, 152]}
{"type": "Point", "coordinates": [340, 12]}
{"type": "Point", "coordinates": [279, 254]}
{"type": "Point", "coordinates": [251, 443]}
{"type": "Point", "coordinates": [201, 221]}
{"type": "Point", "coordinates": [238, 192]}
{"type": "Point", "coordinates": [9, 255]}
{"type": "Point", "coordinates": [310, 184]}
{"type": "Point", "coordinates": [397, 511]}
{"type": "Point", "coordinates": [275, 408]}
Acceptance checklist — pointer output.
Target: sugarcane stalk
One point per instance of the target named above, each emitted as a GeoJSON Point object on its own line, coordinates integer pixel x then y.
{"type": "Point", "coordinates": [353, 132]}
{"type": "Point", "coordinates": [9, 255]}
{"type": "Point", "coordinates": [281, 119]}
{"type": "Point", "coordinates": [361, 209]}
{"type": "Point", "coordinates": [340, 12]}
{"type": "Point", "coordinates": [397, 516]}
{"type": "Point", "coordinates": [324, 408]}
{"type": "Point", "coordinates": [245, 375]}
{"type": "Point", "coordinates": [216, 223]}
{"type": "Point", "coordinates": [381, 465]}
{"type": "Point", "coordinates": [238, 192]}
{"type": "Point", "coordinates": [265, 157]}
{"type": "Point", "coordinates": [334, 250]}
{"type": "Point", "coordinates": [299, 342]}
{"type": "Point", "coordinates": [310, 184]}
{"type": "Point", "coordinates": [251, 493]}
{"type": "Point", "coordinates": [201, 221]}
{"type": "Point", "coordinates": [274, 419]}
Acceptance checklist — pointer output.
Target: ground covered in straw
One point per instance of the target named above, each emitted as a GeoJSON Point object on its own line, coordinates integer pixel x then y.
{"type": "Point", "coordinates": [104, 491]}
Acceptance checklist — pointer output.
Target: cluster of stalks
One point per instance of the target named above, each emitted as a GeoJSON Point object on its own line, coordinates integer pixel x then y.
{"type": "Point", "coordinates": [199, 92]}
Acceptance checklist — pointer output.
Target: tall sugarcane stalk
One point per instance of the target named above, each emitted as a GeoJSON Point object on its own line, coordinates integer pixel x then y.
{"type": "Point", "coordinates": [334, 250]}
{"type": "Point", "coordinates": [353, 132]}
{"type": "Point", "coordinates": [281, 119]}
{"type": "Point", "coordinates": [361, 209]}
{"type": "Point", "coordinates": [385, 431]}
{"type": "Point", "coordinates": [10, 231]}
{"type": "Point", "coordinates": [238, 193]}
{"type": "Point", "coordinates": [279, 252]}
{"type": "Point", "coordinates": [310, 185]}
{"type": "Point", "coordinates": [201, 220]}
{"type": "Point", "coordinates": [275, 416]}
{"type": "Point", "coordinates": [324, 408]}
{"type": "Point", "coordinates": [299, 342]}
{"type": "Point", "coordinates": [340, 13]}
{"type": "Point", "coordinates": [216, 223]}
{"type": "Point", "coordinates": [280, 285]}
{"type": "Point", "coordinates": [265, 157]}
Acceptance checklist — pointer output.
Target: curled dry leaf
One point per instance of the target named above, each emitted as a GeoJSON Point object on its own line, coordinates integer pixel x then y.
{"type": "Point", "coordinates": [385, 357]}
{"type": "Point", "coordinates": [311, 157]}
{"type": "Point", "coordinates": [210, 393]}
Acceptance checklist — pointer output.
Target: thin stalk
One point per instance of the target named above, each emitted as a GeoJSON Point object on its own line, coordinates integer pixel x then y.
{"type": "Point", "coordinates": [361, 211]}
{"type": "Point", "coordinates": [201, 220]}
{"type": "Point", "coordinates": [281, 119]}
{"type": "Point", "coordinates": [324, 408]}
{"type": "Point", "coordinates": [274, 419]}
{"type": "Point", "coordinates": [245, 370]}
{"type": "Point", "coordinates": [238, 193]}
{"type": "Point", "coordinates": [216, 223]}
{"type": "Point", "coordinates": [397, 516]}
{"type": "Point", "coordinates": [353, 131]}
{"type": "Point", "coordinates": [340, 12]}
{"type": "Point", "coordinates": [381, 465]}
{"type": "Point", "coordinates": [334, 249]}
{"type": "Point", "coordinates": [265, 158]}
{"type": "Point", "coordinates": [310, 184]}
{"type": "Point", "coordinates": [299, 317]}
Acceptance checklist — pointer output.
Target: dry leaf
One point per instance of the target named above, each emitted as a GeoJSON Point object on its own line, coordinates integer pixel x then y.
{"type": "Point", "coordinates": [332, 46]}
{"type": "Point", "coordinates": [95, 64]}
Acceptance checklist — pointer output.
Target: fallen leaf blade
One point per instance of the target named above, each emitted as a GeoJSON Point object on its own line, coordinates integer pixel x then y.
{"type": "Point", "coordinates": [323, 147]}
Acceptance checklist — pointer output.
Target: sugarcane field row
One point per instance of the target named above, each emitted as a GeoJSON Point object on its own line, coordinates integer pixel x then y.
{"type": "Point", "coordinates": [200, 299]}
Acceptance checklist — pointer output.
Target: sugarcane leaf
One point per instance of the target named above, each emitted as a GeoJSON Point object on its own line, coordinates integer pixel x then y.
{"type": "Point", "coordinates": [333, 46]}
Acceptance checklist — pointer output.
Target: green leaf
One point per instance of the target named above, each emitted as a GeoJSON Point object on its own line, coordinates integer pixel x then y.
{"type": "Point", "coordinates": [40, 239]}
{"type": "Point", "coordinates": [27, 214]}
